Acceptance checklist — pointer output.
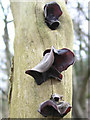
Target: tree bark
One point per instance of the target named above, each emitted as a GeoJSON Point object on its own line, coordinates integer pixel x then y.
{"type": "Point", "coordinates": [32, 37]}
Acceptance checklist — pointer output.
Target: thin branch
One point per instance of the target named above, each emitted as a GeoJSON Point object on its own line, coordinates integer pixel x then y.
{"type": "Point", "coordinates": [3, 92]}
{"type": "Point", "coordinates": [8, 8]}
{"type": "Point", "coordinates": [84, 83]}
{"type": "Point", "coordinates": [2, 7]}
{"type": "Point", "coordinates": [10, 21]}
{"type": "Point", "coordinates": [66, 1]}
{"type": "Point", "coordinates": [81, 9]}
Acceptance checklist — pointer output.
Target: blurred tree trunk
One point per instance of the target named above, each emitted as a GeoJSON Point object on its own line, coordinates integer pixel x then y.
{"type": "Point", "coordinates": [32, 38]}
{"type": "Point", "coordinates": [6, 61]}
{"type": "Point", "coordinates": [82, 69]}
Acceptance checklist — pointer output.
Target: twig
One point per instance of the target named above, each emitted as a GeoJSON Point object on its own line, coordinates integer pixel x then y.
{"type": "Point", "coordinates": [3, 92]}
{"type": "Point", "coordinates": [2, 7]}
{"type": "Point", "coordinates": [9, 21]}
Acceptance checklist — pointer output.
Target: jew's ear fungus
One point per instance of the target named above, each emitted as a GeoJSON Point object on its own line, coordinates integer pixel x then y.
{"type": "Point", "coordinates": [53, 63]}
{"type": "Point", "coordinates": [56, 97]}
{"type": "Point", "coordinates": [54, 108]}
{"type": "Point", "coordinates": [52, 12]}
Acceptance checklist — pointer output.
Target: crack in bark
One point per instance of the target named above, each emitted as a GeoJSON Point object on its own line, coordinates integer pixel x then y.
{"type": "Point", "coordinates": [11, 81]}
{"type": "Point", "coordinates": [52, 85]}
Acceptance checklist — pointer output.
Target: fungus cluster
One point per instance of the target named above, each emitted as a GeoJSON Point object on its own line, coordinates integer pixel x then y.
{"type": "Point", "coordinates": [53, 63]}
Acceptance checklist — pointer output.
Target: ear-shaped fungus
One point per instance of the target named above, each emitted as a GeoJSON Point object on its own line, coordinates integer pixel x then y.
{"type": "Point", "coordinates": [53, 63]}
{"type": "Point", "coordinates": [52, 12]}
{"type": "Point", "coordinates": [52, 108]}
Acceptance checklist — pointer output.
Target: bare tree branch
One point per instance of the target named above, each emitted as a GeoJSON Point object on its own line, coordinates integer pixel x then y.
{"type": "Point", "coordinates": [3, 92]}
{"type": "Point", "coordinates": [80, 8]}
{"type": "Point", "coordinates": [2, 8]}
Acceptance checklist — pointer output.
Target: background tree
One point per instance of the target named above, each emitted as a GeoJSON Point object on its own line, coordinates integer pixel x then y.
{"type": "Point", "coordinates": [6, 61]}
{"type": "Point", "coordinates": [81, 68]}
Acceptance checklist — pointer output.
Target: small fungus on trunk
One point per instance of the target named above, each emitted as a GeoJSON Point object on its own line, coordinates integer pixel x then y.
{"type": "Point", "coordinates": [52, 12]}
{"type": "Point", "coordinates": [54, 108]}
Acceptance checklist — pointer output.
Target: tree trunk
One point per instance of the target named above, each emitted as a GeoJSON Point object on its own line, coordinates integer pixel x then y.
{"type": "Point", "coordinates": [32, 37]}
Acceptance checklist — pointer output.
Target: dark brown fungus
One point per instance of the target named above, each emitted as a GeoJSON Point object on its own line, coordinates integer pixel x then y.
{"type": "Point", "coordinates": [53, 63]}
{"type": "Point", "coordinates": [52, 12]}
{"type": "Point", "coordinates": [52, 108]}
{"type": "Point", "coordinates": [55, 97]}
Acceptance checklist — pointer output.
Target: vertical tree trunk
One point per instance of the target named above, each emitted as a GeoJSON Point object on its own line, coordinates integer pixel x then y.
{"type": "Point", "coordinates": [32, 38]}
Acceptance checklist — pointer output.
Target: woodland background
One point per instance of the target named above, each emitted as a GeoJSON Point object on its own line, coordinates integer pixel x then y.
{"type": "Point", "coordinates": [80, 13]}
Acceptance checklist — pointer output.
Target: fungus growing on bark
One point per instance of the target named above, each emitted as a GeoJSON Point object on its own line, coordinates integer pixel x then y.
{"type": "Point", "coordinates": [52, 108]}
{"type": "Point", "coordinates": [52, 12]}
{"type": "Point", "coordinates": [56, 97]}
{"type": "Point", "coordinates": [53, 63]}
